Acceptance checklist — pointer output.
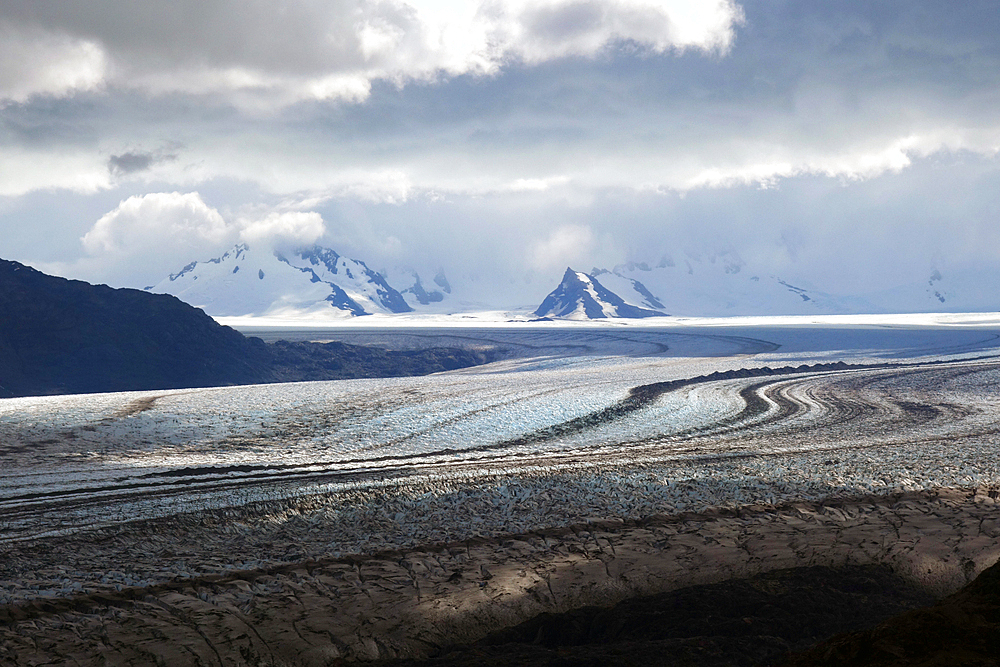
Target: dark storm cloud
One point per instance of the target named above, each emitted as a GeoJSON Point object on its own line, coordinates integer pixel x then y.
{"type": "Point", "coordinates": [47, 121]}
{"type": "Point", "coordinates": [135, 161]}
{"type": "Point", "coordinates": [276, 54]}
{"type": "Point", "coordinates": [128, 163]}
{"type": "Point", "coordinates": [292, 38]}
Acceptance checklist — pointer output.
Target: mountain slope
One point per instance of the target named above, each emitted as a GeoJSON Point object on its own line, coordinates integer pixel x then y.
{"type": "Point", "coordinates": [946, 290]}
{"type": "Point", "coordinates": [722, 285]}
{"type": "Point", "coordinates": [318, 284]}
{"type": "Point", "coordinates": [315, 281]}
{"type": "Point", "coordinates": [351, 275]}
{"type": "Point", "coordinates": [60, 336]}
{"type": "Point", "coordinates": [67, 336]}
{"type": "Point", "coordinates": [433, 296]}
{"type": "Point", "coordinates": [581, 297]}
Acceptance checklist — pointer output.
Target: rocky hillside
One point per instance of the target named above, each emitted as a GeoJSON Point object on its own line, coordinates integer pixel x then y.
{"type": "Point", "coordinates": [60, 336]}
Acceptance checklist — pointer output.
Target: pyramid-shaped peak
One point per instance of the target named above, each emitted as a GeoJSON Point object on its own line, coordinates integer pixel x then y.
{"type": "Point", "coordinates": [581, 297]}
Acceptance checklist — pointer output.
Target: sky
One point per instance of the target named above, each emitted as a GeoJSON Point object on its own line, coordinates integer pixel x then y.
{"type": "Point", "coordinates": [849, 143]}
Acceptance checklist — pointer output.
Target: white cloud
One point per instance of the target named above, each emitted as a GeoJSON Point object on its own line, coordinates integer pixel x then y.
{"type": "Point", "coordinates": [27, 168]}
{"type": "Point", "coordinates": [147, 237]}
{"type": "Point", "coordinates": [156, 222]}
{"type": "Point", "coordinates": [564, 247]}
{"type": "Point", "coordinates": [535, 184]}
{"type": "Point", "coordinates": [163, 231]}
{"type": "Point", "coordinates": [794, 103]}
{"type": "Point", "coordinates": [35, 61]}
{"type": "Point", "coordinates": [539, 31]}
{"type": "Point", "coordinates": [868, 158]}
{"type": "Point", "coordinates": [839, 109]}
{"type": "Point", "coordinates": [165, 222]}
{"type": "Point", "coordinates": [256, 53]}
{"type": "Point", "coordinates": [282, 229]}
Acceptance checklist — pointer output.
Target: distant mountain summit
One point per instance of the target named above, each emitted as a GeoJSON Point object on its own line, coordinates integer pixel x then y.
{"type": "Point", "coordinates": [581, 297]}
{"type": "Point", "coordinates": [315, 281]}
{"type": "Point", "coordinates": [713, 285]}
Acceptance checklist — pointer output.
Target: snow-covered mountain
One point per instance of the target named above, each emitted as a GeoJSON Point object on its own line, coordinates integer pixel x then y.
{"type": "Point", "coordinates": [713, 285]}
{"type": "Point", "coordinates": [720, 285]}
{"type": "Point", "coordinates": [581, 297]}
{"type": "Point", "coordinates": [943, 290]}
{"type": "Point", "coordinates": [312, 281]}
{"type": "Point", "coordinates": [418, 295]}
{"type": "Point", "coordinates": [317, 283]}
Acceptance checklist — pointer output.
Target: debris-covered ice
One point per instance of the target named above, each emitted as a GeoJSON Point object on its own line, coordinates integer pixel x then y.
{"type": "Point", "coordinates": [921, 401]}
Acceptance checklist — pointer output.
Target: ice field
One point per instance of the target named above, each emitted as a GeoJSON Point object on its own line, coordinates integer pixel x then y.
{"type": "Point", "coordinates": [907, 407]}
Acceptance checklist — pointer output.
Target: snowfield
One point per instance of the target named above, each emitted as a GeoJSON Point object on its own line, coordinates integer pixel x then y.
{"type": "Point", "coordinates": [576, 422]}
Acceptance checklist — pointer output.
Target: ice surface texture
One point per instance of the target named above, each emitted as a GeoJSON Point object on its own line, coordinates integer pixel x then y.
{"type": "Point", "coordinates": [916, 409]}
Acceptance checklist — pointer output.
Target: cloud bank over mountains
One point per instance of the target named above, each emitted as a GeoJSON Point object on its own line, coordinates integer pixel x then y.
{"type": "Point", "coordinates": [158, 228]}
{"type": "Point", "coordinates": [260, 53]}
{"type": "Point", "coordinates": [502, 140]}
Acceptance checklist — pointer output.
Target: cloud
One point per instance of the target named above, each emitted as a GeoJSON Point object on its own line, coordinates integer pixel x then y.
{"type": "Point", "coordinates": [565, 246]}
{"type": "Point", "coordinates": [28, 168]}
{"type": "Point", "coordinates": [162, 231]}
{"type": "Point", "coordinates": [492, 138]}
{"type": "Point", "coordinates": [156, 222]}
{"type": "Point", "coordinates": [535, 184]}
{"type": "Point", "coordinates": [541, 31]}
{"type": "Point", "coordinates": [273, 55]}
{"type": "Point", "coordinates": [36, 61]}
{"type": "Point", "coordinates": [841, 91]}
{"type": "Point", "coordinates": [292, 228]}
{"type": "Point", "coordinates": [145, 238]}
{"type": "Point", "coordinates": [133, 162]}
{"type": "Point", "coordinates": [128, 163]}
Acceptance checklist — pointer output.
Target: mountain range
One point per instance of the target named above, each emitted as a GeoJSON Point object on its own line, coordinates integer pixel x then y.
{"type": "Point", "coordinates": [723, 286]}
{"type": "Point", "coordinates": [318, 283]}
{"type": "Point", "coordinates": [314, 280]}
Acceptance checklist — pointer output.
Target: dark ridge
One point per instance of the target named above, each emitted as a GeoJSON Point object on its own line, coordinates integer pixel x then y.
{"type": "Point", "coordinates": [60, 336]}
{"type": "Point", "coordinates": [326, 361]}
